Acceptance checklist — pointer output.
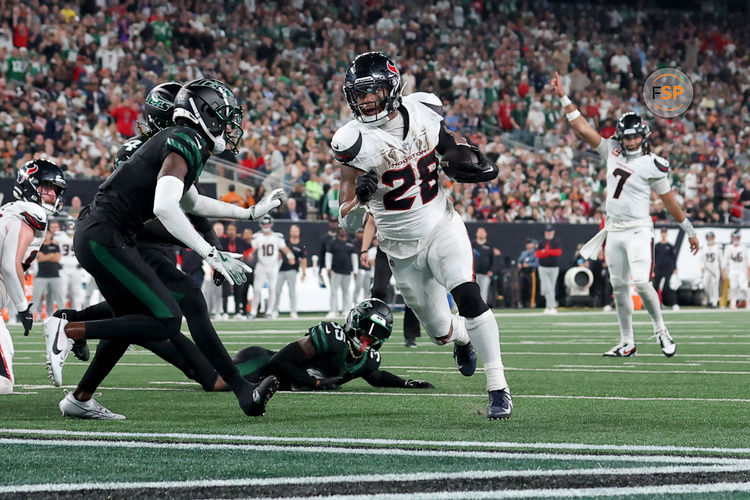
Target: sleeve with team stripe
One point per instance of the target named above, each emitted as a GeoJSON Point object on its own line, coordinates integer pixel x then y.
{"type": "Point", "coordinates": [327, 338]}
{"type": "Point", "coordinates": [191, 147]}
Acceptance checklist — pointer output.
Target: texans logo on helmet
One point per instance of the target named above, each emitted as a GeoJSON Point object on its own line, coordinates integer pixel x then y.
{"type": "Point", "coordinates": [28, 172]}
{"type": "Point", "coordinates": [392, 68]}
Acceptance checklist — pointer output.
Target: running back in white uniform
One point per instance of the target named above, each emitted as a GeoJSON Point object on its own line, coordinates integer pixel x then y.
{"type": "Point", "coordinates": [267, 247]}
{"type": "Point", "coordinates": [12, 216]}
{"type": "Point", "coordinates": [71, 272]}
{"type": "Point", "coordinates": [736, 265]}
{"type": "Point", "coordinates": [711, 264]}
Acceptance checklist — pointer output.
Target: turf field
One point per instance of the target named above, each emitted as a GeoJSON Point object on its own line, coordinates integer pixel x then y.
{"type": "Point", "coordinates": [583, 425]}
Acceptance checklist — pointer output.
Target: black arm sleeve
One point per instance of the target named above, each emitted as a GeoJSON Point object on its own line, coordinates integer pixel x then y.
{"type": "Point", "coordinates": [445, 140]}
{"type": "Point", "coordinates": [382, 378]}
{"type": "Point", "coordinates": [288, 366]}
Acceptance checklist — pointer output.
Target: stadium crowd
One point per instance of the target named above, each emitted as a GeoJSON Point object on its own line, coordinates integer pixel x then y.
{"type": "Point", "coordinates": [72, 85]}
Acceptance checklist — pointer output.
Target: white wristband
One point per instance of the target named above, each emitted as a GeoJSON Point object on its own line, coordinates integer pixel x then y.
{"type": "Point", "coordinates": [565, 100]}
{"type": "Point", "coordinates": [572, 115]}
{"type": "Point", "coordinates": [687, 226]}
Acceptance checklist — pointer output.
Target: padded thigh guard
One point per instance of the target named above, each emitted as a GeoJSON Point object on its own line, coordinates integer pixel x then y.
{"type": "Point", "coordinates": [469, 300]}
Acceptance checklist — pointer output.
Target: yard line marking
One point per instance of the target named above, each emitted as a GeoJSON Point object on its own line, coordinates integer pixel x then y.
{"type": "Point", "coordinates": [369, 478]}
{"type": "Point", "coordinates": [547, 492]}
{"type": "Point", "coordinates": [385, 442]}
{"type": "Point", "coordinates": [340, 450]}
{"type": "Point", "coordinates": [344, 392]}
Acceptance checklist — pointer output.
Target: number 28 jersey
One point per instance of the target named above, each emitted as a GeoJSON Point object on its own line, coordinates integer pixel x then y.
{"type": "Point", "coordinates": [409, 201]}
{"type": "Point", "coordinates": [629, 183]}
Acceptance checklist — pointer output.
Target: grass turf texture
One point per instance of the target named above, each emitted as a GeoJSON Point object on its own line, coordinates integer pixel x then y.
{"type": "Point", "coordinates": [564, 392]}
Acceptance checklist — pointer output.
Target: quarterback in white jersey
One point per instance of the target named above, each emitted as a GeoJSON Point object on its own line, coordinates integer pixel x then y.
{"type": "Point", "coordinates": [23, 225]}
{"type": "Point", "coordinates": [632, 173]}
{"type": "Point", "coordinates": [268, 247]}
{"type": "Point", "coordinates": [71, 273]}
{"type": "Point", "coordinates": [390, 156]}
{"type": "Point", "coordinates": [735, 270]}
{"type": "Point", "coordinates": [711, 260]}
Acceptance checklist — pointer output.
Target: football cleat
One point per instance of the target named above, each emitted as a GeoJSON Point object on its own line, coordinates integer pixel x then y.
{"type": "Point", "coordinates": [621, 351]}
{"type": "Point", "coordinates": [668, 347]}
{"type": "Point", "coordinates": [501, 405]}
{"type": "Point", "coordinates": [262, 393]}
{"type": "Point", "coordinates": [91, 410]}
{"type": "Point", "coordinates": [466, 358]}
{"type": "Point", "coordinates": [58, 347]}
{"type": "Point", "coordinates": [411, 344]}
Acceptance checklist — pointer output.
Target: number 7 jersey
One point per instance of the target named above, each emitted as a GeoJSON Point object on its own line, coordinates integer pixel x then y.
{"type": "Point", "coordinates": [409, 201]}
{"type": "Point", "coordinates": [629, 183]}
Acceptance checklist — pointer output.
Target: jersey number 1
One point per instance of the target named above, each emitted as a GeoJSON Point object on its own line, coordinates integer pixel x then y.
{"type": "Point", "coordinates": [623, 175]}
{"type": "Point", "coordinates": [428, 175]}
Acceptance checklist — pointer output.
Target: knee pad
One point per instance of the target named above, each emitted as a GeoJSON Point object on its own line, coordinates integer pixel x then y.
{"type": "Point", "coordinates": [469, 299]}
{"type": "Point", "coordinates": [643, 287]}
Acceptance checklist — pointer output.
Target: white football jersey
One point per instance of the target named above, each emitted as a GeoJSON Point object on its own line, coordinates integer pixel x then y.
{"type": "Point", "coordinates": [409, 202]}
{"type": "Point", "coordinates": [67, 253]}
{"type": "Point", "coordinates": [711, 259]}
{"type": "Point", "coordinates": [629, 184]}
{"type": "Point", "coordinates": [267, 247]}
{"type": "Point", "coordinates": [33, 215]}
{"type": "Point", "coordinates": [735, 258]}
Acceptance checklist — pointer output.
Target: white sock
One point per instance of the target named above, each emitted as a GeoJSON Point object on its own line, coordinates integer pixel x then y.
{"type": "Point", "coordinates": [485, 337]}
{"type": "Point", "coordinates": [624, 303]}
{"type": "Point", "coordinates": [651, 303]}
{"type": "Point", "coordinates": [460, 336]}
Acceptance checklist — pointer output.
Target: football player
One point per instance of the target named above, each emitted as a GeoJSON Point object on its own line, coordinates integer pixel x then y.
{"type": "Point", "coordinates": [71, 273]}
{"type": "Point", "coordinates": [632, 173]}
{"type": "Point", "coordinates": [157, 180]}
{"type": "Point", "coordinates": [268, 247]}
{"type": "Point", "coordinates": [389, 159]}
{"type": "Point", "coordinates": [331, 354]}
{"type": "Point", "coordinates": [23, 224]}
{"type": "Point", "coordinates": [735, 270]}
{"type": "Point", "coordinates": [711, 269]}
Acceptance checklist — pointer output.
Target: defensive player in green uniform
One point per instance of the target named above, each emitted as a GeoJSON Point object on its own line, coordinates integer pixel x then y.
{"type": "Point", "coordinates": [157, 181]}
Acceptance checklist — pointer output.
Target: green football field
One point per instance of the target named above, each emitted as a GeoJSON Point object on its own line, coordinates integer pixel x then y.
{"type": "Point", "coordinates": [583, 426]}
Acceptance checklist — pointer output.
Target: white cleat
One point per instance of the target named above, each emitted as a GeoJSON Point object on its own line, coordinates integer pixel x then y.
{"type": "Point", "coordinates": [332, 315]}
{"type": "Point", "coordinates": [91, 410]}
{"type": "Point", "coordinates": [668, 347]}
{"type": "Point", "coordinates": [294, 316]}
{"type": "Point", "coordinates": [621, 351]}
{"type": "Point", "coordinates": [58, 347]}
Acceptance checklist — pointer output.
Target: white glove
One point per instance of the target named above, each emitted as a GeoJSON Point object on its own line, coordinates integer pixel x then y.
{"type": "Point", "coordinates": [229, 265]}
{"type": "Point", "coordinates": [265, 205]}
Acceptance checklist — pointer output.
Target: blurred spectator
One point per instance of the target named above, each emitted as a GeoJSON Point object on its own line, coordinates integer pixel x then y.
{"type": "Point", "coordinates": [527, 264]}
{"type": "Point", "coordinates": [232, 196]}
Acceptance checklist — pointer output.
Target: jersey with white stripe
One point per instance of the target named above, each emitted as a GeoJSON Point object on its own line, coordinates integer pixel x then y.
{"type": "Point", "coordinates": [409, 202]}
{"type": "Point", "coordinates": [267, 247]}
{"type": "Point", "coordinates": [735, 258]}
{"type": "Point", "coordinates": [630, 181]}
{"type": "Point", "coordinates": [67, 253]}
{"type": "Point", "coordinates": [28, 213]}
{"type": "Point", "coordinates": [711, 259]}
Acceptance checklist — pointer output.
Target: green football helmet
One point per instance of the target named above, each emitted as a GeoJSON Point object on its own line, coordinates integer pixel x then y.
{"type": "Point", "coordinates": [368, 325]}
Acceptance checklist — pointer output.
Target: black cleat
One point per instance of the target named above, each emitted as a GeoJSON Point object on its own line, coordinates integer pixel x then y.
{"type": "Point", "coordinates": [261, 394]}
{"type": "Point", "coordinates": [466, 359]}
{"type": "Point", "coordinates": [501, 405]}
{"type": "Point", "coordinates": [81, 350]}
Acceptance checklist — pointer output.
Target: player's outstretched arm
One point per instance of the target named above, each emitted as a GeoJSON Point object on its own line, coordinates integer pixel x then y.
{"type": "Point", "coordinates": [670, 203]}
{"type": "Point", "coordinates": [575, 118]}
{"type": "Point", "coordinates": [288, 365]}
{"type": "Point", "coordinates": [382, 378]}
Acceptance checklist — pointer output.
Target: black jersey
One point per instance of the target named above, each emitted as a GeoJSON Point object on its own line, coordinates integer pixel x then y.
{"type": "Point", "coordinates": [299, 251]}
{"type": "Point", "coordinates": [127, 149]}
{"type": "Point", "coordinates": [126, 199]}
{"type": "Point", "coordinates": [332, 357]}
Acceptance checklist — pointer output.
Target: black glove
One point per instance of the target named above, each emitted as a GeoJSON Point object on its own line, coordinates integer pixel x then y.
{"type": "Point", "coordinates": [366, 185]}
{"type": "Point", "coordinates": [418, 384]}
{"type": "Point", "coordinates": [27, 320]}
{"type": "Point", "coordinates": [328, 383]}
{"type": "Point", "coordinates": [218, 278]}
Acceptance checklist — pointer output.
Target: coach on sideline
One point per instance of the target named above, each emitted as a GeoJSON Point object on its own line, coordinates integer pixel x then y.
{"type": "Point", "coordinates": [548, 253]}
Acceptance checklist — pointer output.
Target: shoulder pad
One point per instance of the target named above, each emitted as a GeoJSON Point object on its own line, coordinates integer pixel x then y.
{"type": "Point", "coordinates": [30, 213]}
{"type": "Point", "coordinates": [661, 164]}
{"type": "Point", "coordinates": [186, 142]}
{"type": "Point", "coordinates": [430, 100]}
{"type": "Point", "coordinates": [346, 142]}
{"type": "Point", "coordinates": [279, 235]}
